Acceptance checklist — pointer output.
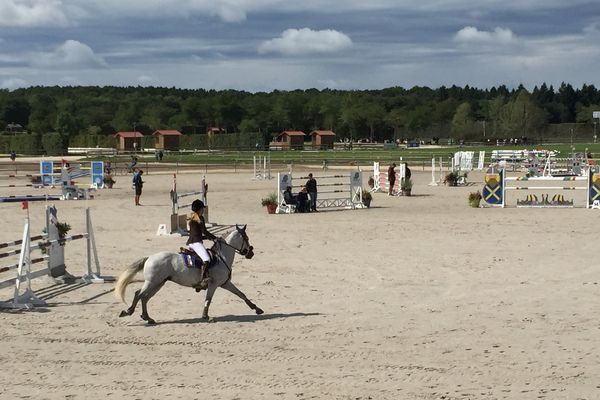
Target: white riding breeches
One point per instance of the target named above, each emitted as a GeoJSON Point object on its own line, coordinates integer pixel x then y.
{"type": "Point", "coordinates": [198, 247]}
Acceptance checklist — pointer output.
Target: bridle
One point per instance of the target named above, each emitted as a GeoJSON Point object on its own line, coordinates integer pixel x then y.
{"type": "Point", "coordinates": [242, 252]}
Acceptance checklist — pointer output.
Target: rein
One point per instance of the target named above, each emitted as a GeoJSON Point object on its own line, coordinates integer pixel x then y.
{"type": "Point", "coordinates": [239, 251]}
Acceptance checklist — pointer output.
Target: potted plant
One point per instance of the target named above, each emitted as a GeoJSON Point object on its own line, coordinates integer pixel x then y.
{"type": "Point", "coordinates": [270, 202]}
{"type": "Point", "coordinates": [406, 186]}
{"type": "Point", "coordinates": [367, 198]}
{"type": "Point", "coordinates": [109, 181]}
{"type": "Point", "coordinates": [474, 199]}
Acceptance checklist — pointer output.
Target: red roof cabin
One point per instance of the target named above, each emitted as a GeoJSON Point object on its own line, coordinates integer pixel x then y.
{"type": "Point", "coordinates": [127, 140]}
{"type": "Point", "coordinates": [289, 140]}
{"type": "Point", "coordinates": [166, 139]}
{"type": "Point", "coordinates": [322, 139]}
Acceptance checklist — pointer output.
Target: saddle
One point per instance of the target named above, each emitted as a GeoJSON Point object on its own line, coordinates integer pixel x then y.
{"type": "Point", "coordinates": [191, 259]}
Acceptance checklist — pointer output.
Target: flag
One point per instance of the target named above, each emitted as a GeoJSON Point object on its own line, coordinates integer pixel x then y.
{"type": "Point", "coordinates": [25, 205]}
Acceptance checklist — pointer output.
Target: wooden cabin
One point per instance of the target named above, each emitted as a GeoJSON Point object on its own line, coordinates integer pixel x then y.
{"type": "Point", "coordinates": [127, 139]}
{"type": "Point", "coordinates": [287, 140]}
{"type": "Point", "coordinates": [322, 139]}
{"type": "Point", "coordinates": [166, 139]}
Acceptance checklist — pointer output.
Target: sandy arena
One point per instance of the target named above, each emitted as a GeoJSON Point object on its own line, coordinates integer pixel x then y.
{"type": "Point", "coordinates": [415, 298]}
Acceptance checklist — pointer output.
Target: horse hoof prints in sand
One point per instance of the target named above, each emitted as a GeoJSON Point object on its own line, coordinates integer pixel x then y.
{"type": "Point", "coordinates": [164, 266]}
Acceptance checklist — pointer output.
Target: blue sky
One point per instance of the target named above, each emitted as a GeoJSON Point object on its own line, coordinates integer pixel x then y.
{"type": "Point", "coordinates": [262, 45]}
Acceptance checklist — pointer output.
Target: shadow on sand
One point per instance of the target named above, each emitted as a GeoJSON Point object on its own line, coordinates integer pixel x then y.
{"type": "Point", "coordinates": [238, 318]}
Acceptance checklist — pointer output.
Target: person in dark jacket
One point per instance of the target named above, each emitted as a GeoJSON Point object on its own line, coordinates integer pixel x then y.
{"type": "Point", "coordinates": [311, 188]}
{"type": "Point", "coordinates": [289, 197]}
{"type": "Point", "coordinates": [139, 184]}
{"type": "Point", "coordinates": [302, 201]}
{"type": "Point", "coordinates": [198, 233]}
{"type": "Point", "coordinates": [391, 178]}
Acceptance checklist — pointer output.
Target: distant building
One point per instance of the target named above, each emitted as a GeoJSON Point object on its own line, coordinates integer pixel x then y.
{"type": "Point", "coordinates": [322, 139]}
{"type": "Point", "coordinates": [214, 131]}
{"type": "Point", "coordinates": [127, 139]}
{"type": "Point", "coordinates": [289, 140]}
{"type": "Point", "coordinates": [15, 128]}
{"type": "Point", "coordinates": [166, 139]}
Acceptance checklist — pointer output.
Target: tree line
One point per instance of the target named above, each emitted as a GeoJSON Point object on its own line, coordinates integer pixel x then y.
{"type": "Point", "coordinates": [462, 113]}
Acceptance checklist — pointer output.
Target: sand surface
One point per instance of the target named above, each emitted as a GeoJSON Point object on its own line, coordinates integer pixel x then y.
{"type": "Point", "coordinates": [415, 298]}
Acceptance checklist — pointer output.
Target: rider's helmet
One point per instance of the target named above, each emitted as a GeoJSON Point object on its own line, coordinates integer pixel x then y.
{"type": "Point", "coordinates": [197, 205]}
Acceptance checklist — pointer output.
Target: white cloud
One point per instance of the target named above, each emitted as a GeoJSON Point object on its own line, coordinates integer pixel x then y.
{"type": "Point", "coordinates": [30, 13]}
{"type": "Point", "coordinates": [306, 41]}
{"type": "Point", "coordinates": [13, 83]}
{"type": "Point", "coordinates": [70, 54]}
{"type": "Point", "coordinates": [145, 80]}
{"type": "Point", "coordinates": [474, 35]}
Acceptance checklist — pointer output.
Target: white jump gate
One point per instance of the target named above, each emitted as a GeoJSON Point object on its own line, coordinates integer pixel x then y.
{"type": "Point", "coordinates": [179, 222]}
{"type": "Point", "coordinates": [350, 197]}
{"type": "Point", "coordinates": [495, 189]}
{"type": "Point", "coordinates": [262, 167]}
{"type": "Point", "coordinates": [52, 248]}
{"type": "Point", "coordinates": [381, 182]}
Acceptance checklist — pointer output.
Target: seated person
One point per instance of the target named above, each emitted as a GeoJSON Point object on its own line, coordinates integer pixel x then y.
{"type": "Point", "coordinates": [288, 197]}
{"type": "Point", "coordinates": [302, 201]}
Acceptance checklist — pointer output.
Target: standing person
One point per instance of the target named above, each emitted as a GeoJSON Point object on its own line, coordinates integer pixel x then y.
{"type": "Point", "coordinates": [160, 155]}
{"type": "Point", "coordinates": [138, 183]}
{"type": "Point", "coordinates": [391, 178]}
{"type": "Point", "coordinates": [407, 173]}
{"type": "Point", "coordinates": [13, 155]}
{"type": "Point", "coordinates": [311, 188]}
{"type": "Point", "coordinates": [198, 233]}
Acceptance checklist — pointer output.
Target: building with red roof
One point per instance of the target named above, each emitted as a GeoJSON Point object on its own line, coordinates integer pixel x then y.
{"type": "Point", "coordinates": [289, 140]}
{"type": "Point", "coordinates": [166, 139]}
{"type": "Point", "coordinates": [322, 139]}
{"type": "Point", "coordinates": [128, 139]}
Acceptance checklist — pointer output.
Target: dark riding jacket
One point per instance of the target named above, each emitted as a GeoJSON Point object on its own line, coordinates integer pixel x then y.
{"type": "Point", "coordinates": [198, 231]}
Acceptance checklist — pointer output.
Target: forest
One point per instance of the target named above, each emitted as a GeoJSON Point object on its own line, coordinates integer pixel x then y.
{"type": "Point", "coordinates": [57, 117]}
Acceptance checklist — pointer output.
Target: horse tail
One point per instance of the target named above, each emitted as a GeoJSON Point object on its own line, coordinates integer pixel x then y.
{"type": "Point", "coordinates": [127, 276]}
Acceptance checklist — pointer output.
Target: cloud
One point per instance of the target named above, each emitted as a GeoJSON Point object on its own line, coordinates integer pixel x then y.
{"type": "Point", "coordinates": [13, 83]}
{"type": "Point", "coordinates": [470, 34]}
{"type": "Point", "coordinates": [306, 41]}
{"type": "Point", "coordinates": [70, 54]}
{"type": "Point", "coordinates": [229, 12]}
{"type": "Point", "coordinates": [145, 80]}
{"type": "Point", "coordinates": [31, 13]}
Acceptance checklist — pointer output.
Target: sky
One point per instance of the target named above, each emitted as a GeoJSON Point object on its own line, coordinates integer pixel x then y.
{"type": "Point", "coordinates": [265, 45]}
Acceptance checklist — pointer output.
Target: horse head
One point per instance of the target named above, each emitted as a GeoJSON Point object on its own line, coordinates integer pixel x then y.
{"type": "Point", "coordinates": [241, 243]}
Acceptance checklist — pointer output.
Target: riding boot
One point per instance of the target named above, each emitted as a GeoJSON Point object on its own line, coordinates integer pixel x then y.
{"type": "Point", "coordinates": [204, 280]}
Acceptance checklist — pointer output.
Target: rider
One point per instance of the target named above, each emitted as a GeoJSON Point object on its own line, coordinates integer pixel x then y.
{"type": "Point", "coordinates": [198, 232]}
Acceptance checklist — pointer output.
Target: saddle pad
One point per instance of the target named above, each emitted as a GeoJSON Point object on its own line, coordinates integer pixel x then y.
{"type": "Point", "coordinates": [189, 260]}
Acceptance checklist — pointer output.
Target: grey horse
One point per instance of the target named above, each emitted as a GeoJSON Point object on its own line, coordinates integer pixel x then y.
{"type": "Point", "coordinates": [164, 266]}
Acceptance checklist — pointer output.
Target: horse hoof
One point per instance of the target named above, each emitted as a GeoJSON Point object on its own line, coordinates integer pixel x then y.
{"type": "Point", "coordinates": [150, 321]}
{"type": "Point", "coordinates": [259, 311]}
{"type": "Point", "coordinates": [124, 313]}
{"type": "Point", "coordinates": [211, 320]}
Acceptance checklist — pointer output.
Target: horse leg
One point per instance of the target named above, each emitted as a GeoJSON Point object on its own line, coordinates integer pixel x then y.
{"type": "Point", "coordinates": [145, 296]}
{"type": "Point", "coordinates": [209, 295]}
{"type": "Point", "coordinates": [233, 289]}
{"type": "Point", "coordinates": [130, 310]}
